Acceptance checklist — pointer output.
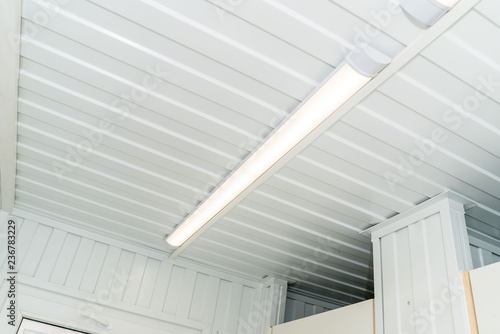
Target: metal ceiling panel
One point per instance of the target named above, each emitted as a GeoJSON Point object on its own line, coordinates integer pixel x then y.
{"type": "Point", "coordinates": [131, 113]}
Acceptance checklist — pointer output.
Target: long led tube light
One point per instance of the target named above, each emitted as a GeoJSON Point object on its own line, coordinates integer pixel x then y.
{"type": "Point", "coordinates": [360, 66]}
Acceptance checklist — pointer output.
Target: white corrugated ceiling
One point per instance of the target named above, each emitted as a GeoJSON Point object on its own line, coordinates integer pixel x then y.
{"type": "Point", "coordinates": [131, 112]}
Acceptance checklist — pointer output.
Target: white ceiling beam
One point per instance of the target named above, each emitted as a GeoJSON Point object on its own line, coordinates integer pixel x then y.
{"type": "Point", "coordinates": [410, 52]}
{"type": "Point", "coordinates": [10, 30]}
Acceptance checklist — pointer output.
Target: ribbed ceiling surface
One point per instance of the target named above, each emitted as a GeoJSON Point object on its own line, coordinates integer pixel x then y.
{"type": "Point", "coordinates": [131, 112]}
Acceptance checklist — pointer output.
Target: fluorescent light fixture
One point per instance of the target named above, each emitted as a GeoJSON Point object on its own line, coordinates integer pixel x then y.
{"type": "Point", "coordinates": [360, 66]}
{"type": "Point", "coordinates": [427, 11]}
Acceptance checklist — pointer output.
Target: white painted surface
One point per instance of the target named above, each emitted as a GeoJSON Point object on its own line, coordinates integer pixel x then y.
{"type": "Point", "coordinates": [274, 291]}
{"type": "Point", "coordinates": [419, 259]}
{"type": "Point", "coordinates": [483, 257]}
{"type": "Point", "coordinates": [486, 294]}
{"type": "Point", "coordinates": [484, 238]}
{"type": "Point", "coordinates": [64, 274]}
{"type": "Point", "coordinates": [228, 72]}
{"type": "Point", "coordinates": [68, 309]}
{"type": "Point", "coordinates": [354, 319]}
{"type": "Point", "coordinates": [300, 306]}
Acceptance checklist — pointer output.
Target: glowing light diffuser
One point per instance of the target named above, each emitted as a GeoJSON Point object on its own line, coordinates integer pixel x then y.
{"type": "Point", "coordinates": [360, 66]}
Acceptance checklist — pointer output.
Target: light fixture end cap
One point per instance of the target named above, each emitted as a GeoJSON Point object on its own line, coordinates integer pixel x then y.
{"type": "Point", "coordinates": [424, 11]}
{"type": "Point", "coordinates": [169, 246]}
{"type": "Point", "coordinates": [367, 60]}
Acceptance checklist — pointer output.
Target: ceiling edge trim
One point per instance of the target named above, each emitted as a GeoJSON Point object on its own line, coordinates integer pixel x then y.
{"type": "Point", "coordinates": [10, 31]}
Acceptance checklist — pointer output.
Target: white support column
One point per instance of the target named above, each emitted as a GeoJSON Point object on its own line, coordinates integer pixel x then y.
{"type": "Point", "coordinates": [273, 302]}
{"type": "Point", "coordinates": [418, 259]}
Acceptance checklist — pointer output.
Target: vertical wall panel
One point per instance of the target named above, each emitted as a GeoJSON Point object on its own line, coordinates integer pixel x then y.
{"type": "Point", "coordinates": [420, 263]}
{"type": "Point", "coordinates": [413, 261]}
{"type": "Point", "coordinates": [430, 276]}
{"type": "Point", "coordinates": [482, 257]}
{"type": "Point", "coordinates": [107, 273]}
{"type": "Point", "coordinates": [312, 310]}
{"type": "Point", "coordinates": [227, 309]}
{"type": "Point", "coordinates": [232, 317]}
{"type": "Point", "coordinates": [405, 279]}
{"type": "Point", "coordinates": [94, 267]}
{"type": "Point", "coordinates": [248, 302]}
{"type": "Point", "coordinates": [299, 306]}
{"type": "Point", "coordinates": [148, 283]}
{"type": "Point", "coordinates": [50, 255]}
{"type": "Point", "coordinates": [309, 310]}
{"type": "Point", "coordinates": [210, 299]}
{"type": "Point", "coordinates": [162, 283]}
{"type": "Point", "coordinates": [486, 257]}
{"type": "Point", "coordinates": [173, 292]}
{"type": "Point", "coordinates": [35, 251]}
{"type": "Point", "coordinates": [393, 298]}
{"type": "Point", "coordinates": [122, 275]}
{"type": "Point", "coordinates": [496, 258]}
{"type": "Point", "coordinates": [484, 238]}
{"type": "Point", "coordinates": [199, 293]}
{"type": "Point", "coordinates": [420, 268]}
{"type": "Point", "coordinates": [477, 258]}
{"type": "Point", "coordinates": [186, 293]}
{"type": "Point", "coordinates": [294, 309]}
{"type": "Point", "coordinates": [353, 319]}
{"type": "Point", "coordinates": [438, 275]}
{"type": "Point", "coordinates": [79, 265]}
{"type": "Point", "coordinates": [135, 280]}
{"type": "Point", "coordinates": [274, 293]}
{"type": "Point", "coordinates": [103, 270]}
{"type": "Point", "coordinates": [66, 257]}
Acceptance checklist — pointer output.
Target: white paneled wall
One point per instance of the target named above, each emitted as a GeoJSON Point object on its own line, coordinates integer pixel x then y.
{"type": "Point", "coordinates": [418, 259]}
{"type": "Point", "coordinates": [426, 274]}
{"type": "Point", "coordinates": [483, 256]}
{"type": "Point", "coordinates": [484, 242]}
{"type": "Point", "coordinates": [299, 306]}
{"type": "Point", "coordinates": [70, 261]}
{"type": "Point", "coordinates": [353, 319]}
